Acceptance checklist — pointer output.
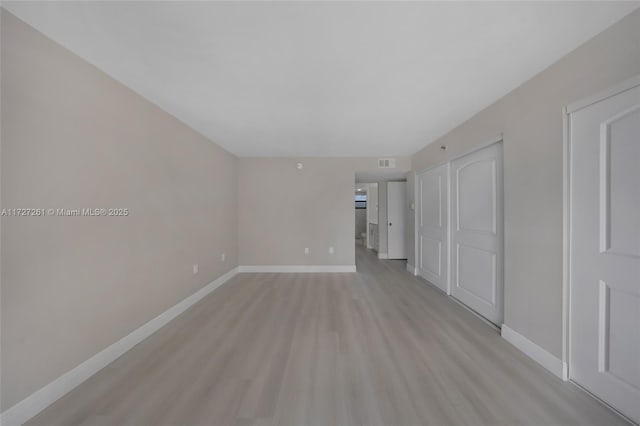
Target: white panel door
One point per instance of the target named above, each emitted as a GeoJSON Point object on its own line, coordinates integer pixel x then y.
{"type": "Point", "coordinates": [476, 231]}
{"type": "Point", "coordinates": [396, 215]}
{"type": "Point", "coordinates": [433, 226]}
{"type": "Point", "coordinates": [605, 250]}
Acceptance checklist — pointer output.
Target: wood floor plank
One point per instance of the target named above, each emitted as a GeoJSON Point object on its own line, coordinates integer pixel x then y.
{"type": "Point", "coordinates": [378, 347]}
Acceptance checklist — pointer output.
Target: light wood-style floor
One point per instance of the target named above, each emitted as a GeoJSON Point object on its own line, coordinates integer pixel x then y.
{"type": "Point", "coordinates": [379, 347]}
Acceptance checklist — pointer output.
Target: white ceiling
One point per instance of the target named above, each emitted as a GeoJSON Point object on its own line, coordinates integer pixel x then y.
{"type": "Point", "coordinates": [326, 78]}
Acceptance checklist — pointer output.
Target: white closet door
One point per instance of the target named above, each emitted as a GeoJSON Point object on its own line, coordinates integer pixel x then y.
{"type": "Point", "coordinates": [476, 231]}
{"type": "Point", "coordinates": [433, 226]}
{"type": "Point", "coordinates": [605, 250]}
{"type": "Point", "coordinates": [396, 216]}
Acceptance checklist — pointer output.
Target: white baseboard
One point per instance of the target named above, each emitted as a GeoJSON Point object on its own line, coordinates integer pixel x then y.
{"type": "Point", "coordinates": [536, 353]}
{"type": "Point", "coordinates": [41, 399]}
{"type": "Point", "coordinates": [383, 255]}
{"type": "Point", "coordinates": [297, 268]}
{"type": "Point", "coordinates": [412, 269]}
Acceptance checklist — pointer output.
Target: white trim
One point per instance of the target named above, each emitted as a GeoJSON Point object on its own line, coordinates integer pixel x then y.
{"type": "Point", "coordinates": [535, 352]}
{"type": "Point", "coordinates": [416, 223]}
{"type": "Point", "coordinates": [566, 237]}
{"type": "Point", "coordinates": [606, 93]}
{"type": "Point", "coordinates": [45, 396]}
{"type": "Point", "coordinates": [383, 255]}
{"type": "Point", "coordinates": [412, 269]}
{"type": "Point", "coordinates": [489, 142]}
{"type": "Point", "coordinates": [296, 268]}
{"type": "Point", "coordinates": [449, 233]}
{"type": "Point", "coordinates": [567, 201]}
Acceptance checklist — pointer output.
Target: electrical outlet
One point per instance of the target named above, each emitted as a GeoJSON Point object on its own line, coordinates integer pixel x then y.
{"type": "Point", "coordinates": [223, 256]}
{"type": "Point", "coordinates": [195, 268]}
{"type": "Point", "coordinates": [331, 250]}
{"type": "Point", "coordinates": [306, 250]}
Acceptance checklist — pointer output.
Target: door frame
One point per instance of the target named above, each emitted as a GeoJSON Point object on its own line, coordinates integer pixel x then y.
{"type": "Point", "coordinates": [497, 139]}
{"type": "Point", "coordinates": [567, 203]}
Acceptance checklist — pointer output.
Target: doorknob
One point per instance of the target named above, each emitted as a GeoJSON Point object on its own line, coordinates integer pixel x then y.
{"type": "Point", "coordinates": [390, 223]}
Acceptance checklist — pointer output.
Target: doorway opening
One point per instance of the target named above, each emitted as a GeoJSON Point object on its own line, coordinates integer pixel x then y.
{"type": "Point", "coordinates": [362, 216]}
{"type": "Point", "coordinates": [382, 214]}
{"type": "Point", "coordinates": [366, 216]}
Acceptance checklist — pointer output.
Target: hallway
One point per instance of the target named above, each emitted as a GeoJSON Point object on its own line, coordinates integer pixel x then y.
{"type": "Point", "coordinates": [376, 347]}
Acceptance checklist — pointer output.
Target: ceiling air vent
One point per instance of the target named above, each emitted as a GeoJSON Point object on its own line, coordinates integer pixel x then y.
{"type": "Point", "coordinates": [386, 163]}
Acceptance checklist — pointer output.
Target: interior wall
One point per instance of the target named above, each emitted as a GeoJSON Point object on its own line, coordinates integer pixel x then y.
{"type": "Point", "coordinates": [530, 119]}
{"type": "Point", "coordinates": [74, 138]}
{"type": "Point", "coordinates": [283, 209]}
{"type": "Point", "coordinates": [372, 213]}
{"type": "Point", "coordinates": [410, 221]}
{"type": "Point", "coordinates": [372, 202]}
{"type": "Point", "coordinates": [382, 220]}
{"type": "Point", "coordinates": [361, 222]}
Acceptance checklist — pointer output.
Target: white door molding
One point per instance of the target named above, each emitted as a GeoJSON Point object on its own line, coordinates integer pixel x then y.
{"type": "Point", "coordinates": [498, 138]}
{"type": "Point", "coordinates": [623, 86]}
{"type": "Point", "coordinates": [586, 326]}
{"type": "Point", "coordinates": [566, 203]}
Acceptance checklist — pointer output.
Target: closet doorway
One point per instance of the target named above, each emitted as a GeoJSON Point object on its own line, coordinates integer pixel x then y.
{"type": "Point", "coordinates": [460, 230]}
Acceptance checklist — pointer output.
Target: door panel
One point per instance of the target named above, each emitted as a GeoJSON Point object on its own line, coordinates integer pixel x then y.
{"type": "Point", "coordinates": [433, 219]}
{"type": "Point", "coordinates": [431, 255]}
{"type": "Point", "coordinates": [620, 345]}
{"type": "Point", "coordinates": [476, 237]}
{"type": "Point", "coordinates": [397, 211]}
{"type": "Point", "coordinates": [476, 202]}
{"type": "Point", "coordinates": [620, 159]}
{"type": "Point", "coordinates": [605, 250]}
{"type": "Point", "coordinates": [477, 273]}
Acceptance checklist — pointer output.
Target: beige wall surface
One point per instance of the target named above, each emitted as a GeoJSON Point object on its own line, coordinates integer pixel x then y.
{"type": "Point", "coordinates": [531, 119]}
{"type": "Point", "coordinates": [383, 232]}
{"type": "Point", "coordinates": [282, 209]}
{"type": "Point", "coordinates": [74, 138]}
{"type": "Point", "coordinates": [410, 224]}
{"type": "Point", "coordinates": [361, 222]}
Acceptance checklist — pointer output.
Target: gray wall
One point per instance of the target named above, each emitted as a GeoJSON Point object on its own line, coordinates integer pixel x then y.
{"type": "Point", "coordinates": [410, 221]}
{"type": "Point", "coordinates": [531, 119]}
{"type": "Point", "coordinates": [361, 222]}
{"type": "Point", "coordinates": [372, 202]}
{"type": "Point", "coordinates": [71, 138]}
{"type": "Point", "coordinates": [282, 209]}
{"type": "Point", "coordinates": [372, 215]}
{"type": "Point", "coordinates": [383, 233]}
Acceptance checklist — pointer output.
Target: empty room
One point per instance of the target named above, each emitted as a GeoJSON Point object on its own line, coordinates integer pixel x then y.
{"type": "Point", "coordinates": [320, 213]}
